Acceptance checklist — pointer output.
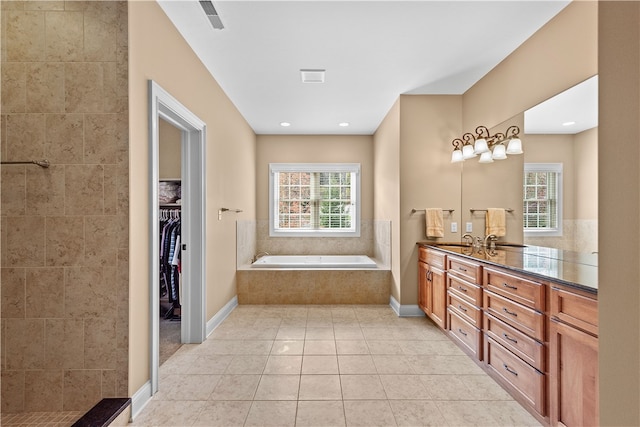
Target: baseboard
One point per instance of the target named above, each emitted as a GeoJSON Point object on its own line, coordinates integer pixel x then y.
{"type": "Point", "coordinates": [405, 310]}
{"type": "Point", "coordinates": [140, 399]}
{"type": "Point", "coordinates": [222, 314]}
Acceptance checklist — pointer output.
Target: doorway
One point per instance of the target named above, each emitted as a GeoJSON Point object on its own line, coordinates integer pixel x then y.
{"type": "Point", "coordinates": [162, 106]}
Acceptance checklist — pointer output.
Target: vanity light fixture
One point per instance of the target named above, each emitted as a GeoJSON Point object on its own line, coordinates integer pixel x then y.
{"type": "Point", "coordinates": [489, 147]}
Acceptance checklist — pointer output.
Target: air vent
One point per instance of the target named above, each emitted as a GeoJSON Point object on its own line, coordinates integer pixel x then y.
{"type": "Point", "coordinates": [312, 76]}
{"type": "Point", "coordinates": [212, 14]}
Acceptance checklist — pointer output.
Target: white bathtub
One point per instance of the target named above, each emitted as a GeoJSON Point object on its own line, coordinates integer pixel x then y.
{"type": "Point", "coordinates": [314, 261]}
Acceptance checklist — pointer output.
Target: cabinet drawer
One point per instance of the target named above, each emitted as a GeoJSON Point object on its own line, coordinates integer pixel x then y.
{"type": "Point", "coordinates": [520, 317]}
{"type": "Point", "coordinates": [465, 290]}
{"type": "Point", "coordinates": [466, 334]}
{"type": "Point", "coordinates": [575, 310]}
{"type": "Point", "coordinates": [431, 257]}
{"type": "Point", "coordinates": [519, 289]}
{"type": "Point", "coordinates": [528, 349]}
{"type": "Point", "coordinates": [518, 376]}
{"type": "Point", "coordinates": [464, 309]}
{"type": "Point", "coordinates": [466, 269]}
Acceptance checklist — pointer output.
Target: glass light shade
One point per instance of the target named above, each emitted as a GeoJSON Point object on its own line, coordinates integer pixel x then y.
{"type": "Point", "coordinates": [456, 156]}
{"type": "Point", "coordinates": [481, 146]}
{"type": "Point", "coordinates": [515, 146]}
{"type": "Point", "coordinates": [486, 157]}
{"type": "Point", "coordinates": [499, 152]}
{"type": "Point", "coordinates": [467, 152]}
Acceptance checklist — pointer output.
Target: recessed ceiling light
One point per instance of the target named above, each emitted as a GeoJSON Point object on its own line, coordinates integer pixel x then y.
{"type": "Point", "coordinates": [285, 124]}
{"type": "Point", "coordinates": [343, 124]}
{"type": "Point", "coordinates": [312, 76]}
{"type": "Point", "coordinates": [568, 123]}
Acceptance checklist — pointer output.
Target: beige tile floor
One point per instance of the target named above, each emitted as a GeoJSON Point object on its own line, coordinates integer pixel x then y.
{"type": "Point", "coordinates": [327, 366]}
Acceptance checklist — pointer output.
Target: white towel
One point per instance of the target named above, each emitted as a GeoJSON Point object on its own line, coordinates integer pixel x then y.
{"type": "Point", "coordinates": [495, 222]}
{"type": "Point", "coordinates": [434, 225]}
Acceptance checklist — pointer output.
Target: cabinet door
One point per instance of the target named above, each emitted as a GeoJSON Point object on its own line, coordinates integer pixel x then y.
{"type": "Point", "coordinates": [439, 297]}
{"type": "Point", "coordinates": [573, 373]}
{"type": "Point", "coordinates": [424, 288]}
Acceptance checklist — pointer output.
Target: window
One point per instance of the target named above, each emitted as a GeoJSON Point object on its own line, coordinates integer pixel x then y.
{"type": "Point", "coordinates": [542, 213]}
{"type": "Point", "coordinates": [314, 199]}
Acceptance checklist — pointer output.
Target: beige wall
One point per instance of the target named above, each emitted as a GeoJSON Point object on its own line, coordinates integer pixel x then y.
{"type": "Point", "coordinates": [158, 52]}
{"type": "Point", "coordinates": [428, 179]}
{"type": "Point", "coordinates": [585, 146]}
{"type": "Point", "coordinates": [386, 184]}
{"type": "Point", "coordinates": [618, 207]}
{"type": "Point", "coordinates": [314, 149]}
{"type": "Point", "coordinates": [64, 229]}
{"type": "Point", "coordinates": [560, 55]}
{"type": "Point", "coordinates": [169, 151]}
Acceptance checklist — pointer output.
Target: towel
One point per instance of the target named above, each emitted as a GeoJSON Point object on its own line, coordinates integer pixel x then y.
{"type": "Point", "coordinates": [434, 225]}
{"type": "Point", "coordinates": [495, 222]}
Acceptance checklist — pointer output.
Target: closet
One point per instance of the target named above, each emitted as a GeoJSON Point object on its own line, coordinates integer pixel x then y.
{"type": "Point", "coordinates": [169, 227]}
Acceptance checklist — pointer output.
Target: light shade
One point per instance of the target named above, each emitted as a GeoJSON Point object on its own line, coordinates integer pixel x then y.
{"type": "Point", "coordinates": [486, 157]}
{"type": "Point", "coordinates": [481, 146]}
{"type": "Point", "coordinates": [515, 146]}
{"type": "Point", "coordinates": [467, 152]}
{"type": "Point", "coordinates": [456, 156]}
{"type": "Point", "coordinates": [499, 152]}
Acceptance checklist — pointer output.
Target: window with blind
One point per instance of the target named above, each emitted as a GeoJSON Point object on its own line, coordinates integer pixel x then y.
{"type": "Point", "coordinates": [314, 199]}
{"type": "Point", "coordinates": [542, 205]}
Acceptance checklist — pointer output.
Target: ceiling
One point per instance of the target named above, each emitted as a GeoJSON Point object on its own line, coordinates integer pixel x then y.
{"type": "Point", "coordinates": [572, 111]}
{"type": "Point", "coordinates": [372, 51]}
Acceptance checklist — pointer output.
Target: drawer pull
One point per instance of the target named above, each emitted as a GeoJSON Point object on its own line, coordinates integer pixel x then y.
{"type": "Point", "coordinates": [512, 313]}
{"type": "Point", "coordinates": [506, 285]}
{"type": "Point", "coordinates": [462, 332]}
{"type": "Point", "coordinates": [462, 289]}
{"type": "Point", "coordinates": [507, 337]}
{"type": "Point", "coordinates": [462, 269]}
{"type": "Point", "coordinates": [462, 308]}
{"type": "Point", "coordinates": [511, 371]}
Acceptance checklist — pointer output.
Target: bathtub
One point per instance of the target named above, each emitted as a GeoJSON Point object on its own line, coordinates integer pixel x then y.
{"type": "Point", "coordinates": [314, 261]}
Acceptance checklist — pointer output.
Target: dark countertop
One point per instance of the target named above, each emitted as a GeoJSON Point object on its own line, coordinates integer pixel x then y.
{"type": "Point", "coordinates": [574, 269]}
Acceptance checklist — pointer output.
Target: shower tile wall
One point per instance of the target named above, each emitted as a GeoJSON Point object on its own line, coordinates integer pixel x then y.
{"type": "Point", "coordinates": [64, 229]}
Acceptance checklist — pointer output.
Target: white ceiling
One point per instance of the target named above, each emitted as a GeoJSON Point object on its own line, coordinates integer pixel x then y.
{"type": "Point", "coordinates": [372, 51]}
{"type": "Point", "coordinates": [577, 105]}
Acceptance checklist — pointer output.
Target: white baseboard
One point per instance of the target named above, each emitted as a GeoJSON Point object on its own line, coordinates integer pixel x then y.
{"type": "Point", "coordinates": [405, 310]}
{"type": "Point", "coordinates": [140, 399]}
{"type": "Point", "coordinates": [222, 314]}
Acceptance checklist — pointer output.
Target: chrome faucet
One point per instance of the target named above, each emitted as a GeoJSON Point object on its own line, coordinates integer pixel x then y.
{"type": "Point", "coordinates": [259, 255]}
{"type": "Point", "coordinates": [491, 239]}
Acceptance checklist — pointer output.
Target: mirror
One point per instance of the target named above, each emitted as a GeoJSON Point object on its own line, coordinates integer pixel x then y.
{"type": "Point", "coordinates": [545, 140]}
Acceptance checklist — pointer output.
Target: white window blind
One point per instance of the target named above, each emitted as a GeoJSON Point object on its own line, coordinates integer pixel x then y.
{"type": "Point", "coordinates": [542, 204]}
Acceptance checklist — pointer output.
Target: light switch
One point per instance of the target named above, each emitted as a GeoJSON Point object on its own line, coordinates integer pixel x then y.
{"type": "Point", "coordinates": [454, 227]}
{"type": "Point", "coordinates": [469, 228]}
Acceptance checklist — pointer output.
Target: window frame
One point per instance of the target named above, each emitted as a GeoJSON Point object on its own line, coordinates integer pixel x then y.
{"type": "Point", "coordinates": [275, 168]}
{"type": "Point", "coordinates": [545, 167]}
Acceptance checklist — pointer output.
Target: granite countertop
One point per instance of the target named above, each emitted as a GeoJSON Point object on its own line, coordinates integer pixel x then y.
{"type": "Point", "coordinates": [574, 269]}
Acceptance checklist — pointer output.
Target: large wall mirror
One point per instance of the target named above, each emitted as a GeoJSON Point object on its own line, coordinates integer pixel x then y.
{"type": "Point", "coordinates": [558, 134]}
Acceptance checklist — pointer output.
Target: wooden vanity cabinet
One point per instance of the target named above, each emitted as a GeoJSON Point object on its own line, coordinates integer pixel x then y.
{"type": "Point", "coordinates": [573, 358]}
{"type": "Point", "coordinates": [432, 286]}
{"type": "Point", "coordinates": [464, 304]}
{"type": "Point", "coordinates": [514, 335]}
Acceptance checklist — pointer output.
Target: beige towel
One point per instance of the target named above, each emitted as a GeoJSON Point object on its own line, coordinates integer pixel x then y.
{"type": "Point", "coordinates": [495, 222]}
{"type": "Point", "coordinates": [434, 225]}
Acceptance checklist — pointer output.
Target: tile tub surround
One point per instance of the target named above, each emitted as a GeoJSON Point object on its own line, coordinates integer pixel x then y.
{"type": "Point", "coordinates": [337, 365]}
{"type": "Point", "coordinates": [291, 286]}
{"type": "Point", "coordinates": [64, 229]}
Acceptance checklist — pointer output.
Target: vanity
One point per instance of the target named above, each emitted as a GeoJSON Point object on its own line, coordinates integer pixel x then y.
{"type": "Point", "coordinates": [528, 316]}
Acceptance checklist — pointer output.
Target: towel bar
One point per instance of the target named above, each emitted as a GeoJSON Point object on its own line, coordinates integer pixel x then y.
{"type": "Point", "coordinates": [484, 210]}
{"type": "Point", "coordinates": [423, 210]}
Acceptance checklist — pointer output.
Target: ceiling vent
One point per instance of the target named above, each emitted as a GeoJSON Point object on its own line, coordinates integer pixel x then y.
{"type": "Point", "coordinates": [212, 14]}
{"type": "Point", "coordinates": [312, 76]}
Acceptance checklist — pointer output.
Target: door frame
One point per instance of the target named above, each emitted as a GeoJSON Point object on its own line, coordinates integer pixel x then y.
{"type": "Point", "coordinates": [193, 323]}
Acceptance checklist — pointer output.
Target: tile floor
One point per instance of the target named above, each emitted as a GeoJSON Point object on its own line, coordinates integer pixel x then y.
{"type": "Point", "coordinates": [327, 366]}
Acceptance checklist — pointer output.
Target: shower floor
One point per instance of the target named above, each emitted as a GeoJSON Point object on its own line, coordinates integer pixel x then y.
{"type": "Point", "coordinates": [36, 419]}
